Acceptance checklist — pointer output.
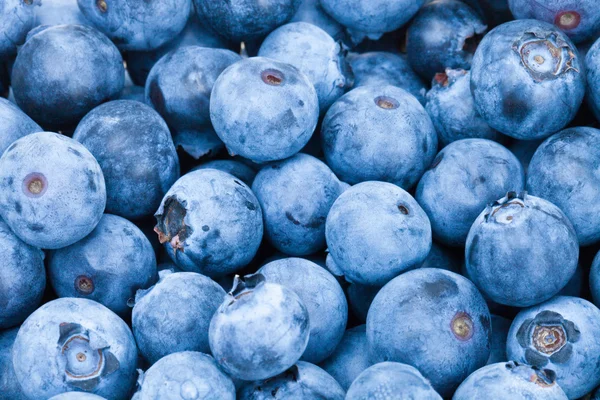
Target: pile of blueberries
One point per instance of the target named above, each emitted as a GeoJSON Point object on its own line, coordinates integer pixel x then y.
{"type": "Point", "coordinates": [299, 199]}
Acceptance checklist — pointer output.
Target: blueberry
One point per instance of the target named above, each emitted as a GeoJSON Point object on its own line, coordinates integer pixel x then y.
{"type": "Point", "coordinates": [210, 222]}
{"type": "Point", "coordinates": [500, 327]}
{"type": "Point", "coordinates": [564, 171]}
{"type": "Point", "coordinates": [510, 380]}
{"type": "Point", "coordinates": [233, 167]}
{"type": "Point", "coordinates": [15, 124]}
{"type": "Point", "coordinates": [52, 190]}
{"type": "Point", "coordinates": [76, 396]}
{"type": "Point", "coordinates": [260, 330]}
{"type": "Point", "coordinates": [303, 381]}
{"type": "Point", "coordinates": [592, 62]}
{"type": "Point", "coordinates": [296, 195]}
{"type": "Point", "coordinates": [378, 133]}
{"type": "Point", "coordinates": [493, 12]}
{"type": "Point", "coordinates": [350, 358]}
{"type": "Point", "coordinates": [527, 79]}
{"type": "Point", "coordinates": [312, 12]}
{"type": "Point", "coordinates": [430, 318]}
{"type": "Point", "coordinates": [133, 145]}
{"type": "Point", "coordinates": [58, 12]}
{"type": "Point", "coordinates": [9, 387]}
{"type": "Point", "coordinates": [174, 314]}
{"type": "Point", "coordinates": [17, 20]}
{"type": "Point", "coordinates": [185, 375]}
{"type": "Point", "coordinates": [391, 380]}
{"type": "Point", "coordinates": [75, 344]}
{"type": "Point", "coordinates": [521, 250]}
{"type": "Point", "coordinates": [108, 266]}
{"type": "Point", "coordinates": [575, 286]}
{"type": "Point", "coordinates": [466, 176]}
{"type": "Point", "coordinates": [560, 335]}
{"type": "Point", "coordinates": [87, 70]}
{"type": "Point", "coordinates": [137, 24]}
{"type": "Point", "coordinates": [315, 53]}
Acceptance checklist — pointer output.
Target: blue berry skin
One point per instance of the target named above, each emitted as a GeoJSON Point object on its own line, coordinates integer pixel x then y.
{"type": "Point", "coordinates": [393, 381]}
{"type": "Point", "coordinates": [9, 387]}
{"type": "Point", "coordinates": [530, 241]}
{"type": "Point", "coordinates": [86, 269]}
{"type": "Point", "coordinates": [430, 318]}
{"type": "Point", "coordinates": [466, 176]}
{"type": "Point", "coordinates": [137, 24]}
{"type": "Point", "coordinates": [73, 344]}
{"type": "Point", "coordinates": [246, 20]}
{"type": "Point", "coordinates": [134, 147]}
{"type": "Point", "coordinates": [312, 12]}
{"type": "Point", "coordinates": [564, 171]}
{"type": "Point", "coordinates": [560, 335]}
{"type": "Point", "coordinates": [76, 396]}
{"type": "Point", "coordinates": [263, 109]}
{"type": "Point", "coordinates": [303, 381]}
{"type": "Point", "coordinates": [233, 167]}
{"type": "Point", "coordinates": [508, 381]}
{"type": "Point", "coordinates": [185, 375]}
{"type": "Point", "coordinates": [260, 330]}
{"type": "Point", "coordinates": [580, 19]}
{"type": "Point", "coordinates": [350, 358]}
{"type": "Point", "coordinates": [57, 100]}
{"type": "Point", "coordinates": [16, 18]}
{"type": "Point", "coordinates": [452, 110]}
{"type": "Point", "coordinates": [500, 327]}
{"type": "Point", "coordinates": [210, 222]}
{"type": "Point", "coordinates": [315, 53]}
{"type": "Point", "coordinates": [52, 190]}
{"type": "Point", "coordinates": [378, 133]}
{"type": "Point", "coordinates": [296, 195]}
{"type": "Point", "coordinates": [440, 36]}
{"type": "Point", "coordinates": [592, 63]}
{"type": "Point", "coordinates": [174, 314]}
{"type": "Point", "coordinates": [323, 298]}
{"type": "Point", "coordinates": [58, 12]}
{"type": "Point", "coordinates": [15, 124]}
{"type": "Point", "coordinates": [385, 68]}
{"type": "Point", "coordinates": [520, 87]}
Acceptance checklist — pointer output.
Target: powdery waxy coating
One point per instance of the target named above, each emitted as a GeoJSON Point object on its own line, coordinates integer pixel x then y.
{"type": "Point", "coordinates": [565, 171]}
{"type": "Point", "coordinates": [73, 344]}
{"type": "Point", "coordinates": [133, 146]}
{"type": "Point", "coordinates": [444, 34]}
{"type": "Point", "coordinates": [233, 167]}
{"type": "Point", "coordinates": [260, 330]}
{"type": "Point", "coordinates": [137, 24]}
{"type": "Point", "coordinates": [500, 327]}
{"type": "Point", "coordinates": [185, 375]}
{"type": "Point", "coordinates": [384, 68]}
{"type": "Point", "coordinates": [464, 178]}
{"type": "Point", "coordinates": [592, 64]}
{"type": "Point", "coordinates": [527, 79]}
{"type": "Point", "coordinates": [436, 321]}
{"type": "Point", "coordinates": [508, 381]}
{"type": "Point", "coordinates": [375, 231]}
{"type": "Point", "coordinates": [263, 109]}
{"type": "Point", "coordinates": [560, 335]}
{"type": "Point", "coordinates": [9, 387]}
{"type": "Point", "coordinates": [77, 396]}
{"type": "Point", "coordinates": [350, 358]}
{"type": "Point", "coordinates": [296, 195]}
{"type": "Point", "coordinates": [63, 72]}
{"type": "Point", "coordinates": [302, 381]}
{"type": "Point", "coordinates": [15, 124]}
{"type": "Point", "coordinates": [108, 266]}
{"type": "Point", "coordinates": [174, 314]}
{"type": "Point", "coordinates": [210, 222]}
{"type": "Point", "coordinates": [316, 54]}
{"type": "Point", "coordinates": [16, 19]}
{"type": "Point", "coordinates": [52, 190]}
{"type": "Point", "coordinates": [378, 133]}
{"type": "Point", "coordinates": [521, 250]}
{"type": "Point", "coordinates": [391, 381]}
{"type": "Point", "coordinates": [323, 298]}
{"type": "Point", "coordinates": [58, 12]}
{"type": "Point", "coordinates": [312, 12]}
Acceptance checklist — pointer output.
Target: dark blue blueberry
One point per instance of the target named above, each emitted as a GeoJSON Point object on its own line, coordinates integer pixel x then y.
{"type": "Point", "coordinates": [15, 124]}
{"type": "Point", "coordinates": [312, 12]}
{"type": "Point", "coordinates": [233, 167]}
{"type": "Point", "coordinates": [592, 62]}
{"type": "Point", "coordinates": [58, 12]}
{"type": "Point", "coordinates": [595, 279]}
{"type": "Point", "coordinates": [9, 386]}
{"type": "Point", "coordinates": [500, 327]}
{"type": "Point", "coordinates": [17, 19]}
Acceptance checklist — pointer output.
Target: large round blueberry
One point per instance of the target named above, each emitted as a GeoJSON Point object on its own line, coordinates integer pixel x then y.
{"type": "Point", "coordinates": [87, 69]}
{"type": "Point", "coordinates": [137, 24]}
{"type": "Point", "coordinates": [508, 381]}
{"type": "Point", "coordinates": [15, 124]}
{"type": "Point", "coordinates": [133, 146]}
{"type": "Point", "coordinates": [375, 231]}
{"type": "Point", "coordinates": [560, 335]}
{"type": "Point", "coordinates": [592, 63]}
{"type": "Point", "coordinates": [52, 190]}
{"type": "Point", "coordinates": [233, 167]}
{"type": "Point", "coordinates": [73, 345]}
{"type": "Point", "coordinates": [295, 195]}
{"type": "Point", "coordinates": [108, 266]}
{"type": "Point", "coordinates": [210, 222]}
{"type": "Point", "coordinates": [312, 12]}
{"type": "Point", "coordinates": [565, 171]}
{"type": "Point", "coordinates": [521, 250]}
{"type": "Point", "coordinates": [527, 79]}
{"type": "Point", "coordinates": [378, 133]}
{"type": "Point", "coordinates": [429, 318]}
{"type": "Point", "coordinates": [58, 12]}
{"type": "Point", "coordinates": [466, 176]}
{"type": "Point", "coordinates": [9, 386]}
{"type": "Point", "coordinates": [16, 18]}
{"type": "Point", "coordinates": [185, 375]}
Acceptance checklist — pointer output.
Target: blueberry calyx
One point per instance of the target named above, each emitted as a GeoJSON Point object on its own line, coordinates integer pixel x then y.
{"type": "Point", "coordinates": [102, 5]}
{"type": "Point", "coordinates": [84, 284]}
{"type": "Point", "coordinates": [171, 225]}
{"type": "Point", "coordinates": [462, 326]}
{"type": "Point", "coordinates": [35, 185]}
{"type": "Point", "coordinates": [567, 20]}
{"type": "Point", "coordinates": [511, 202]}
{"type": "Point", "coordinates": [245, 286]}
{"type": "Point", "coordinates": [272, 77]}
{"type": "Point", "coordinates": [386, 102]}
